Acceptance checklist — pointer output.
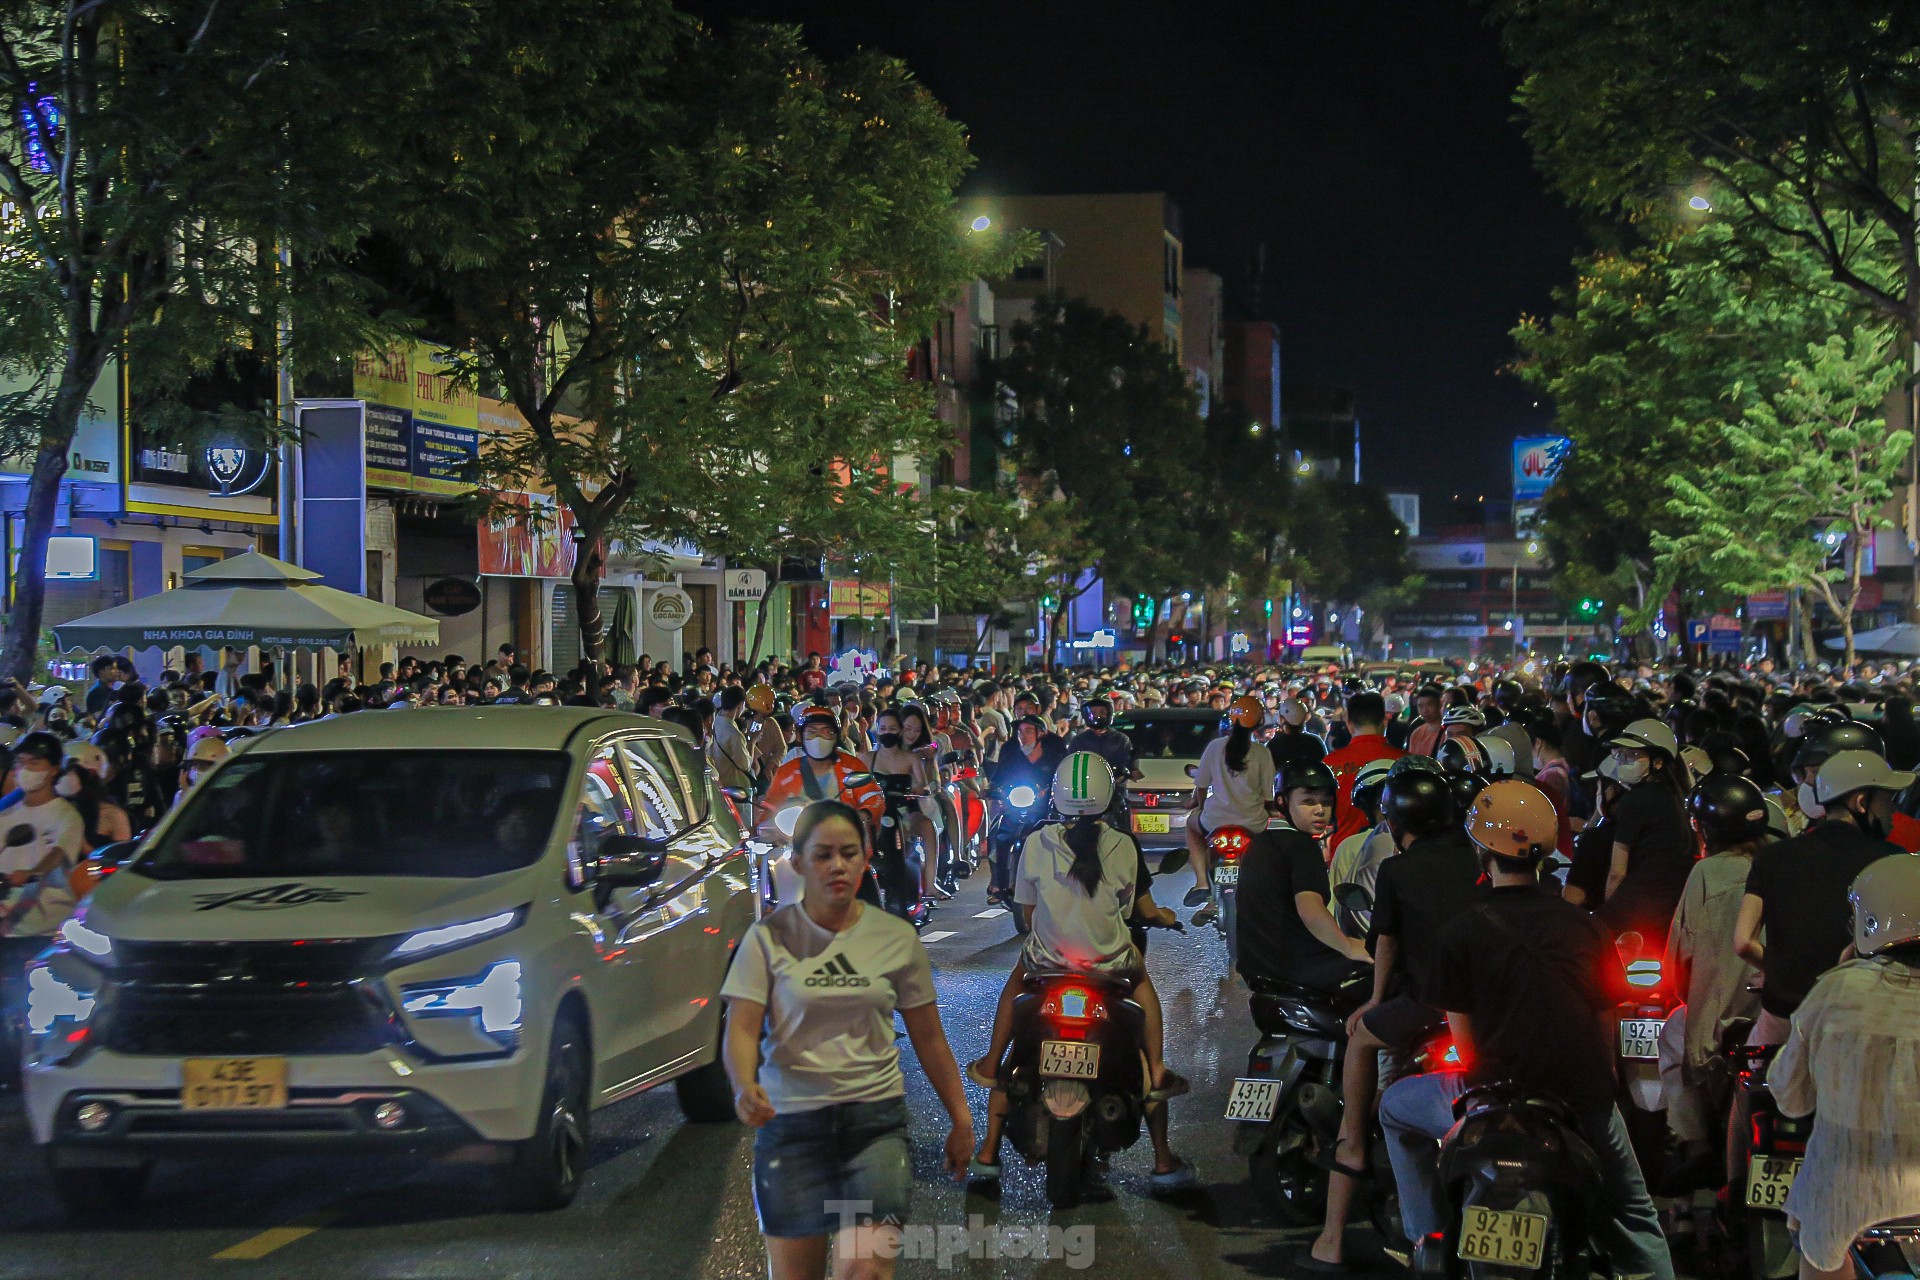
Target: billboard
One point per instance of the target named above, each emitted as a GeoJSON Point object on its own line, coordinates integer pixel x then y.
{"type": "Point", "coordinates": [423, 432]}
{"type": "Point", "coordinates": [527, 535]}
{"type": "Point", "coordinates": [851, 598]}
{"type": "Point", "coordinates": [1536, 462]}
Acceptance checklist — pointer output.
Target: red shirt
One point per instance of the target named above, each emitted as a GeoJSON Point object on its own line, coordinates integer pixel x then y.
{"type": "Point", "coordinates": [1905, 832]}
{"type": "Point", "coordinates": [1345, 763]}
{"type": "Point", "coordinates": [1425, 738]}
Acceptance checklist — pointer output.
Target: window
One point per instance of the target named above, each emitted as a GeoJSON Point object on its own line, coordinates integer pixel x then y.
{"type": "Point", "coordinates": [192, 558]}
{"type": "Point", "coordinates": [694, 772]}
{"type": "Point", "coordinates": [660, 811]}
{"type": "Point", "coordinates": [603, 812]}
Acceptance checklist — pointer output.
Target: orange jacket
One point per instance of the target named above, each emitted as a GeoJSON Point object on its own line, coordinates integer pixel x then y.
{"type": "Point", "coordinates": [789, 786]}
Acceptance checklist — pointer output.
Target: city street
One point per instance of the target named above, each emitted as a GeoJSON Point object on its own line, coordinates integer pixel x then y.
{"type": "Point", "coordinates": [671, 1199]}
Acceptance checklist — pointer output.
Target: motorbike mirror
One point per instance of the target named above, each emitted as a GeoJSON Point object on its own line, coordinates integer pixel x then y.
{"type": "Point", "coordinates": [860, 780]}
{"type": "Point", "coordinates": [1354, 897]}
{"type": "Point", "coordinates": [21, 834]}
{"type": "Point", "coordinates": [952, 757]}
{"type": "Point", "coordinates": [117, 853]}
{"type": "Point", "coordinates": [785, 820]}
{"type": "Point", "coordinates": [1628, 945]}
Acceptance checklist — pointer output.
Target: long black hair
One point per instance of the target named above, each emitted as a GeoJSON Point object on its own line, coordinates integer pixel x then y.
{"type": "Point", "coordinates": [1239, 738]}
{"type": "Point", "coordinates": [1083, 840]}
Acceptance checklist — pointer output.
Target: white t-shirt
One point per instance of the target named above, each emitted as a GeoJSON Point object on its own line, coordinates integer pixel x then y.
{"type": "Point", "coordinates": [56, 825]}
{"type": "Point", "coordinates": [1072, 930]}
{"type": "Point", "coordinates": [1234, 799]}
{"type": "Point", "coordinates": [830, 999]}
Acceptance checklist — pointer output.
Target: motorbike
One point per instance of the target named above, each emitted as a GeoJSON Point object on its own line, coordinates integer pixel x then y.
{"type": "Point", "coordinates": [779, 881]}
{"type": "Point", "coordinates": [1888, 1249]}
{"type": "Point", "coordinates": [966, 787]}
{"type": "Point", "coordinates": [1226, 846]}
{"type": "Point", "coordinates": [1640, 1020]}
{"type": "Point", "coordinates": [1768, 1151]}
{"type": "Point", "coordinates": [1023, 807]}
{"type": "Point", "coordinates": [1076, 1077]}
{"type": "Point", "coordinates": [1522, 1180]}
{"type": "Point", "coordinates": [897, 858]}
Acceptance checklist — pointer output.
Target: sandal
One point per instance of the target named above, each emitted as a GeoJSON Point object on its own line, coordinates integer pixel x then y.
{"type": "Point", "coordinates": [1326, 1159]}
{"type": "Point", "coordinates": [978, 1073]}
{"type": "Point", "coordinates": [1172, 1085]}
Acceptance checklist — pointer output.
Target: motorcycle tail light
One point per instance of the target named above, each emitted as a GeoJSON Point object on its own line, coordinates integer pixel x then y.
{"type": "Point", "coordinates": [1643, 973]}
{"type": "Point", "coordinates": [1073, 1003]}
{"type": "Point", "coordinates": [1229, 843]}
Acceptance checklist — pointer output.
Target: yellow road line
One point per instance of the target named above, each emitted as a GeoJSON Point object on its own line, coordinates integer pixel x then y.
{"type": "Point", "coordinates": [274, 1238]}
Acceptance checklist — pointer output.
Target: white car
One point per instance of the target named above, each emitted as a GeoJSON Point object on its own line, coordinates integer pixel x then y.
{"type": "Point", "coordinates": [425, 930]}
{"type": "Point", "coordinates": [1167, 742]}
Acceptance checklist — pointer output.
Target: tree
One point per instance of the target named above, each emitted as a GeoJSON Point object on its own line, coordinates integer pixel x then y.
{"type": "Point", "coordinates": [1646, 356]}
{"type": "Point", "coordinates": [1807, 480]}
{"type": "Point", "coordinates": [700, 261]}
{"type": "Point", "coordinates": [1795, 121]}
{"type": "Point", "coordinates": [159, 159]}
{"type": "Point", "coordinates": [1106, 424]}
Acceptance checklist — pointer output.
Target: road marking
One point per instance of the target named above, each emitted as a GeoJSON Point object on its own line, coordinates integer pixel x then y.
{"type": "Point", "coordinates": [989, 913]}
{"type": "Point", "coordinates": [938, 935]}
{"type": "Point", "coordinates": [273, 1238]}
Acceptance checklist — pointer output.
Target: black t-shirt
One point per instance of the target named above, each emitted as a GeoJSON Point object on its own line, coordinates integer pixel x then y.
{"type": "Point", "coordinates": [1649, 820]}
{"type": "Point", "coordinates": [1013, 768]}
{"type": "Point", "coordinates": [1418, 892]}
{"type": "Point", "coordinates": [1538, 977]}
{"type": "Point", "coordinates": [1274, 945]}
{"type": "Point", "coordinates": [1592, 857]}
{"type": "Point", "coordinates": [1802, 885]}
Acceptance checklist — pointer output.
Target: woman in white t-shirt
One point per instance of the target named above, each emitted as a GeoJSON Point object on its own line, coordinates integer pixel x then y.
{"type": "Point", "coordinates": [815, 1068]}
{"type": "Point", "coordinates": [1232, 787]}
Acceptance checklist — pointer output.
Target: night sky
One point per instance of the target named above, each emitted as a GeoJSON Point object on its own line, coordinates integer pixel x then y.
{"type": "Point", "coordinates": [1370, 145]}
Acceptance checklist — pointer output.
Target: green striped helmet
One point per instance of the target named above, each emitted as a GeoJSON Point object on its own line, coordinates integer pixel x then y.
{"type": "Point", "coordinates": [1082, 785]}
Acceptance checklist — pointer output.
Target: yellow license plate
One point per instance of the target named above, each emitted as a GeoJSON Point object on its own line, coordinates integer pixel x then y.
{"type": "Point", "coordinates": [233, 1084]}
{"type": "Point", "coordinates": [1769, 1178]}
{"type": "Point", "coordinates": [1501, 1236]}
{"type": "Point", "coordinates": [1153, 824]}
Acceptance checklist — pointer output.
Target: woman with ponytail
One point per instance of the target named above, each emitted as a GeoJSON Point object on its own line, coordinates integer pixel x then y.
{"type": "Point", "coordinates": [1080, 882]}
{"type": "Point", "coordinates": [1232, 787]}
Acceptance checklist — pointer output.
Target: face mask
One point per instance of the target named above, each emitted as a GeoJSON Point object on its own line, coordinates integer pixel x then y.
{"type": "Point", "coordinates": [68, 786]}
{"type": "Point", "coordinates": [889, 740]}
{"type": "Point", "coordinates": [820, 748]}
{"type": "Point", "coordinates": [34, 779]}
{"type": "Point", "coordinates": [1808, 805]}
{"type": "Point", "coordinates": [1632, 773]}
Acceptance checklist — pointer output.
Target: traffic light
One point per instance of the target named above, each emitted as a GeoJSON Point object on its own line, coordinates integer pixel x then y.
{"type": "Point", "coordinates": [1144, 610]}
{"type": "Point", "coordinates": [1590, 606]}
{"type": "Point", "coordinates": [1049, 602]}
{"type": "Point", "coordinates": [1267, 608]}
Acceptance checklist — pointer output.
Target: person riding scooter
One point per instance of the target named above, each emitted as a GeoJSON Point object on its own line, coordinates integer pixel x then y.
{"type": "Point", "coordinates": [1287, 931]}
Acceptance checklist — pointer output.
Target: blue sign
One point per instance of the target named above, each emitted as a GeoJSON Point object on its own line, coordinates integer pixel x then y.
{"type": "Point", "coordinates": [1696, 630]}
{"type": "Point", "coordinates": [1536, 464]}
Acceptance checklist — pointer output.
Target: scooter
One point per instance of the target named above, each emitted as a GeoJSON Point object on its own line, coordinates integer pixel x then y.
{"type": "Point", "coordinates": [1640, 1021]}
{"type": "Point", "coordinates": [1521, 1180]}
{"type": "Point", "coordinates": [1226, 846]}
{"type": "Point", "coordinates": [1023, 808]}
{"type": "Point", "coordinates": [1768, 1152]}
{"type": "Point", "coordinates": [966, 792]}
{"type": "Point", "coordinates": [1076, 1077]}
{"type": "Point", "coordinates": [896, 856]}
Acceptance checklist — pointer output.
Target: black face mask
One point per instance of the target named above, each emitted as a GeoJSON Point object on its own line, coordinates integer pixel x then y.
{"type": "Point", "coordinates": [889, 740]}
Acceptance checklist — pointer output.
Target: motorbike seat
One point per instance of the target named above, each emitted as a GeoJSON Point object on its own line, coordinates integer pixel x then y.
{"type": "Point", "coordinates": [1505, 1093]}
{"type": "Point", "coordinates": [1279, 1007]}
{"type": "Point", "coordinates": [1113, 985]}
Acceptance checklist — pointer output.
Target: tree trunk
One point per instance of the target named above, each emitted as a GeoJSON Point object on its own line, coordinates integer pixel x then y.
{"type": "Point", "coordinates": [1808, 654]}
{"type": "Point", "coordinates": [760, 617]}
{"type": "Point", "coordinates": [588, 566]}
{"type": "Point", "coordinates": [22, 644]}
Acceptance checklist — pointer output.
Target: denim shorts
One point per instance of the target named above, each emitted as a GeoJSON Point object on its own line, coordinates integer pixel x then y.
{"type": "Point", "coordinates": [845, 1165]}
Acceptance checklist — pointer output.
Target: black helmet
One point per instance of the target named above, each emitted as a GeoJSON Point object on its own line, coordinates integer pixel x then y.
{"type": "Point", "coordinates": [1306, 775]}
{"type": "Point", "coordinates": [1822, 740]}
{"type": "Point", "coordinates": [1290, 749]}
{"type": "Point", "coordinates": [1461, 755]}
{"type": "Point", "coordinates": [1417, 803]}
{"type": "Point", "coordinates": [1728, 810]}
{"type": "Point", "coordinates": [1507, 695]}
{"type": "Point", "coordinates": [1414, 764]}
{"type": "Point", "coordinates": [1614, 705]}
{"type": "Point", "coordinates": [1466, 788]}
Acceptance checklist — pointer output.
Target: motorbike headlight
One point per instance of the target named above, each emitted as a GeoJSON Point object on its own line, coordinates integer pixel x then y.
{"type": "Point", "coordinates": [1022, 797]}
{"type": "Point", "coordinates": [448, 936]}
{"type": "Point", "coordinates": [491, 999]}
{"type": "Point", "coordinates": [785, 820]}
{"type": "Point", "coordinates": [53, 1003]}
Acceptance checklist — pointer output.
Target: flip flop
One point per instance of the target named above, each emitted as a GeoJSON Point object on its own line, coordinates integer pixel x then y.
{"type": "Point", "coordinates": [978, 1074]}
{"type": "Point", "coordinates": [1331, 1163]}
{"type": "Point", "coordinates": [1172, 1085]}
{"type": "Point", "coordinates": [1305, 1261]}
{"type": "Point", "coordinates": [981, 1171]}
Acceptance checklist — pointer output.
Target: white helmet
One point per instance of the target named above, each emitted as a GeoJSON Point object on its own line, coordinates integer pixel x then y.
{"type": "Point", "coordinates": [1886, 904]}
{"type": "Point", "coordinates": [1082, 785]}
{"type": "Point", "coordinates": [1501, 761]}
{"type": "Point", "coordinates": [1648, 735]}
{"type": "Point", "coordinates": [1845, 772]}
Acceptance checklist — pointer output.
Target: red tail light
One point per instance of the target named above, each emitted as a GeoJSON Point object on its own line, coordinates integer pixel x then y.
{"type": "Point", "coordinates": [1228, 843]}
{"type": "Point", "coordinates": [1072, 1008]}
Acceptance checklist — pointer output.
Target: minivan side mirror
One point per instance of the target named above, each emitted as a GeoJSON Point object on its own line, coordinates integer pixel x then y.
{"type": "Point", "coordinates": [629, 862]}
{"type": "Point", "coordinates": [117, 853]}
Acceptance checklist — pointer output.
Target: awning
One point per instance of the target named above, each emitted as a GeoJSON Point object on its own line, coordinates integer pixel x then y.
{"type": "Point", "coordinates": [249, 599]}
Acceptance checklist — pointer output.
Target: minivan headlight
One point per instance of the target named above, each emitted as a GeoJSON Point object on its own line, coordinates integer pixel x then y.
{"type": "Point", "coordinates": [53, 1003]}
{"type": "Point", "coordinates": [491, 998]}
{"type": "Point", "coordinates": [448, 936]}
{"type": "Point", "coordinates": [92, 942]}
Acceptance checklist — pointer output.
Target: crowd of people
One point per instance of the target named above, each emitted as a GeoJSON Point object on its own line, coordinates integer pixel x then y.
{"type": "Point", "coordinates": [1509, 828]}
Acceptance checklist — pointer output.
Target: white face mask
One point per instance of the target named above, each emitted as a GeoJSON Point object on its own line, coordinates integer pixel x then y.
{"type": "Point", "coordinates": [68, 786]}
{"type": "Point", "coordinates": [820, 748]}
{"type": "Point", "coordinates": [33, 779]}
{"type": "Point", "coordinates": [1808, 805]}
{"type": "Point", "coordinates": [1631, 773]}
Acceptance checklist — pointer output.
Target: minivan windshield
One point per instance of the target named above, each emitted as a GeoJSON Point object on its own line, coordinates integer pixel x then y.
{"type": "Point", "coordinates": [1169, 736]}
{"type": "Point", "coordinates": [364, 813]}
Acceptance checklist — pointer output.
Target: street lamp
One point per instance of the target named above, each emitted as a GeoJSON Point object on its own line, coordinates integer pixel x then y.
{"type": "Point", "coordinates": [1700, 204]}
{"type": "Point", "coordinates": [982, 222]}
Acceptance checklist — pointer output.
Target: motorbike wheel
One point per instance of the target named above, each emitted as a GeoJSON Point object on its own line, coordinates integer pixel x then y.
{"type": "Point", "coordinates": [1770, 1251]}
{"type": "Point", "coordinates": [1285, 1177]}
{"type": "Point", "coordinates": [1069, 1160]}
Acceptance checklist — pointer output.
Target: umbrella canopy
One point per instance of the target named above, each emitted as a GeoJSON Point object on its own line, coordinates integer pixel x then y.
{"type": "Point", "coordinates": [1903, 638]}
{"type": "Point", "coordinates": [249, 599]}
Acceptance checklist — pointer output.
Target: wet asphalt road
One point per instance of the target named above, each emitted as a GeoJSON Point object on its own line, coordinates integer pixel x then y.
{"type": "Point", "coordinates": [670, 1199]}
